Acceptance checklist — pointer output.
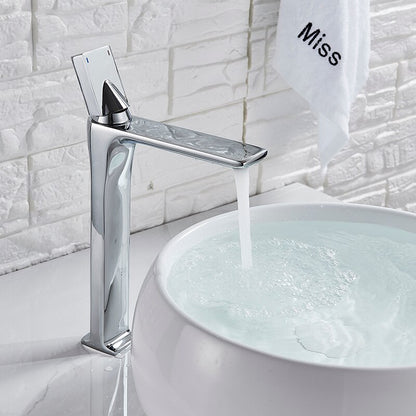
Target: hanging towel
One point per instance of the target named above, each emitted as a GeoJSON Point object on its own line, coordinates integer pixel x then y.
{"type": "Point", "coordinates": [322, 52]}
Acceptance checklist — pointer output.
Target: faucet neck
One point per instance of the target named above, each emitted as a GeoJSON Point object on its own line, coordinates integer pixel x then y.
{"type": "Point", "coordinates": [119, 120]}
{"type": "Point", "coordinates": [111, 162]}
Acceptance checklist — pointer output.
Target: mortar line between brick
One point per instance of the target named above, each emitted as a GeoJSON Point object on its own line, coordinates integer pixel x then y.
{"type": "Point", "coordinates": [32, 24]}
{"type": "Point", "coordinates": [180, 117]}
{"type": "Point", "coordinates": [28, 184]}
{"type": "Point", "coordinates": [250, 21]}
{"type": "Point", "coordinates": [396, 93]}
{"type": "Point", "coordinates": [170, 82]}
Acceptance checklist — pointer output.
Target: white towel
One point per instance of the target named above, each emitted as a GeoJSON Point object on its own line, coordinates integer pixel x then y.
{"type": "Point", "coordinates": [322, 52]}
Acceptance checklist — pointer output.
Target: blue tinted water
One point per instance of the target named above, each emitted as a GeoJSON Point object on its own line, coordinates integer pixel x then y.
{"type": "Point", "coordinates": [323, 292]}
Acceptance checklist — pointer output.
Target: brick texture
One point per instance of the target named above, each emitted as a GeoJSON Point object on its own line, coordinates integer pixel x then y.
{"type": "Point", "coordinates": [200, 64]}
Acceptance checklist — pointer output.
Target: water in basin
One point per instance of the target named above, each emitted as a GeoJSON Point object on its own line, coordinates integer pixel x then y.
{"type": "Point", "coordinates": [326, 292]}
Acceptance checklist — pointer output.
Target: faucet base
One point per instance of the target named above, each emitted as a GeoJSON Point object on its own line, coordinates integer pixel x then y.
{"type": "Point", "coordinates": [117, 346]}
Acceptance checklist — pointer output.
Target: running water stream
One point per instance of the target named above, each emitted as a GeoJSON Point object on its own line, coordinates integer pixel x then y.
{"type": "Point", "coordinates": [242, 183]}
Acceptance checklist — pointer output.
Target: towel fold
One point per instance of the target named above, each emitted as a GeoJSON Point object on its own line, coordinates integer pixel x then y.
{"type": "Point", "coordinates": [322, 52]}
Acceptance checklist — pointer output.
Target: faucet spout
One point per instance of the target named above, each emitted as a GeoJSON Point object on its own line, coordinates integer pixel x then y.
{"type": "Point", "coordinates": [192, 143]}
{"type": "Point", "coordinates": [112, 136]}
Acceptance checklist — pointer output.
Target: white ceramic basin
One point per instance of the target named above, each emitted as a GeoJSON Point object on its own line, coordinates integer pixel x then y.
{"type": "Point", "coordinates": [182, 368]}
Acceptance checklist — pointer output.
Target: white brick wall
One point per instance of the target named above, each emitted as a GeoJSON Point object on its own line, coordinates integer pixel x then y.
{"type": "Point", "coordinates": [202, 64]}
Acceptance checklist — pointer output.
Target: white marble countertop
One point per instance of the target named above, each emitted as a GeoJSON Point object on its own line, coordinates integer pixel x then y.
{"type": "Point", "coordinates": [45, 311]}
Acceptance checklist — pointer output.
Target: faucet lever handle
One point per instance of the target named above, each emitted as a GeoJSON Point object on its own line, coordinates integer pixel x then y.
{"type": "Point", "coordinates": [101, 86]}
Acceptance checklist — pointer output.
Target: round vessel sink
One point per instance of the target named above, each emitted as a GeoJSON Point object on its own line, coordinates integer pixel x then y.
{"type": "Point", "coordinates": [342, 349]}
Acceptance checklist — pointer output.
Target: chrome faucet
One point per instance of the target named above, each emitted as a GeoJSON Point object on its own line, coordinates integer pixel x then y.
{"type": "Point", "coordinates": [112, 135]}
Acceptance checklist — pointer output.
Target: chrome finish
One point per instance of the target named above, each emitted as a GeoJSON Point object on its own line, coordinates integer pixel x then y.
{"type": "Point", "coordinates": [93, 68]}
{"type": "Point", "coordinates": [121, 119]}
{"type": "Point", "coordinates": [112, 136]}
{"type": "Point", "coordinates": [192, 143]}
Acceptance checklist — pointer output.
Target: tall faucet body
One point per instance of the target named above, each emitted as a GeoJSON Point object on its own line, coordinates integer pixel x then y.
{"type": "Point", "coordinates": [112, 136]}
{"type": "Point", "coordinates": [111, 163]}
